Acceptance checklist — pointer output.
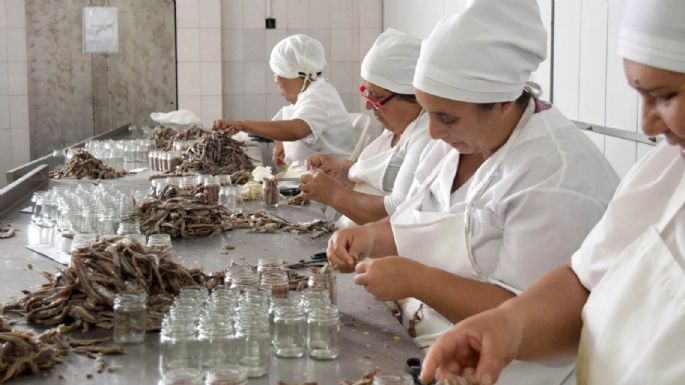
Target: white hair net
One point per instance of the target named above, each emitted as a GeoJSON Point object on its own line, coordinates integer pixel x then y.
{"type": "Point", "coordinates": [485, 54]}
{"type": "Point", "coordinates": [298, 56]}
{"type": "Point", "coordinates": [653, 33]}
{"type": "Point", "coordinates": [391, 61]}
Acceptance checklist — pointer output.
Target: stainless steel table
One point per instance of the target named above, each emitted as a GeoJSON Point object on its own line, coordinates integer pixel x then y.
{"type": "Point", "coordinates": [371, 337]}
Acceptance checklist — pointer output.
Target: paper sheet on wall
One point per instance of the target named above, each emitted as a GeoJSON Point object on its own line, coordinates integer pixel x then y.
{"type": "Point", "coordinates": [100, 30]}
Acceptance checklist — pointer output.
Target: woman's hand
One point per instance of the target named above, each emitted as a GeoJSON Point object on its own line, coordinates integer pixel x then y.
{"type": "Point", "coordinates": [348, 246]}
{"type": "Point", "coordinates": [230, 127]}
{"type": "Point", "coordinates": [278, 155]}
{"type": "Point", "coordinates": [329, 164]}
{"type": "Point", "coordinates": [388, 278]}
{"type": "Point", "coordinates": [318, 186]}
{"type": "Point", "coordinates": [477, 348]}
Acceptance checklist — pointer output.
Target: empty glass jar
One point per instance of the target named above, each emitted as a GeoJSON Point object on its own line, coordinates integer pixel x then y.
{"type": "Point", "coordinates": [130, 318]}
{"type": "Point", "coordinates": [226, 375]}
{"type": "Point", "coordinates": [289, 332]}
{"type": "Point", "coordinates": [325, 280]}
{"type": "Point", "coordinates": [323, 333]}
{"type": "Point", "coordinates": [393, 378]}
{"type": "Point", "coordinates": [254, 334]}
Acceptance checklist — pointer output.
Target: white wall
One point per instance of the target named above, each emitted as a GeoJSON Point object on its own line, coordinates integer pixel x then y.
{"type": "Point", "coordinates": [588, 75]}
{"type": "Point", "coordinates": [14, 116]}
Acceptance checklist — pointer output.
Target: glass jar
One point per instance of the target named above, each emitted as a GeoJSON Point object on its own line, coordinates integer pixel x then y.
{"type": "Point", "coordinates": [130, 317]}
{"type": "Point", "coordinates": [195, 292]}
{"type": "Point", "coordinates": [275, 284]}
{"type": "Point", "coordinates": [89, 221]}
{"type": "Point", "coordinates": [244, 280]}
{"type": "Point", "coordinates": [224, 180]}
{"type": "Point", "coordinates": [289, 331]}
{"type": "Point", "coordinates": [256, 351]}
{"type": "Point", "coordinates": [326, 281]}
{"type": "Point", "coordinates": [178, 341]}
{"type": "Point", "coordinates": [218, 340]}
{"type": "Point", "coordinates": [160, 244]}
{"type": "Point", "coordinates": [107, 222]}
{"type": "Point", "coordinates": [38, 206]}
{"type": "Point", "coordinates": [269, 264]}
{"type": "Point", "coordinates": [50, 209]}
{"type": "Point", "coordinates": [393, 378]}
{"type": "Point", "coordinates": [126, 228]}
{"type": "Point", "coordinates": [184, 376]}
{"type": "Point", "coordinates": [70, 218]}
{"type": "Point", "coordinates": [311, 298]}
{"type": "Point", "coordinates": [270, 192]}
{"type": "Point", "coordinates": [231, 197]}
{"type": "Point", "coordinates": [175, 159]}
{"type": "Point", "coordinates": [212, 187]}
{"type": "Point", "coordinates": [226, 375]}
{"type": "Point", "coordinates": [323, 333]}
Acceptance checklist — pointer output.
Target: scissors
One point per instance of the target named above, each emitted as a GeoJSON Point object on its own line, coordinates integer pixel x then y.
{"type": "Point", "coordinates": [316, 260]}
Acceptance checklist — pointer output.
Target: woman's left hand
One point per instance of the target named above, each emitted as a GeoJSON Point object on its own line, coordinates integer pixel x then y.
{"type": "Point", "coordinates": [388, 278]}
{"type": "Point", "coordinates": [318, 186]}
{"type": "Point", "coordinates": [231, 127]}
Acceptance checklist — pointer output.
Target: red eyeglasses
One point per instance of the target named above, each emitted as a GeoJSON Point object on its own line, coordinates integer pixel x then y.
{"type": "Point", "coordinates": [377, 104]}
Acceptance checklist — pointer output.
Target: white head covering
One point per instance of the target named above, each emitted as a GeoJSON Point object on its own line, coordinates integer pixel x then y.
{"type": "Point", "coordinates": [485, 54]}
{"type": "Point", "coordinates": [391, 61]}
{"type": "Point", "coordinates": [298, 56]}
{"type": "Point", "coordinates": [653, 33]}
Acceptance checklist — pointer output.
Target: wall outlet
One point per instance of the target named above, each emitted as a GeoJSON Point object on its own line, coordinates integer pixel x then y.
{"type": "Point", "coordinates": [270, 23]}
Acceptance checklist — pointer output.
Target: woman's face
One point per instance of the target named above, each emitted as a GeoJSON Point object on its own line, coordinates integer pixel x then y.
{"type": "Point", "coordinates": [396, 114]}
{"type": "Point", "coordinates": [290, 88]}
{"type": "Point", "coordinates": [465, 126]}
{"type": "Point", "coordinates": [663, 101]}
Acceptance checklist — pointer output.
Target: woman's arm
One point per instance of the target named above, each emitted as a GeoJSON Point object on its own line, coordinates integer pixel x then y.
{"type": "Point", "coordinates": [282, 130]}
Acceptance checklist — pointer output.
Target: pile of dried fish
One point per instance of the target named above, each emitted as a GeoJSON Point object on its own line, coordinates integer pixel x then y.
{"type": "Point", "coordinates": [241, 177]}
{"type": "Point", "coordinates": [164, 137]}
{"type": "Point", "coordinates": [216, 154]}
{"type": "Point", "coordinates": [184, 213]}
{"type": "Point", "coordinates": [298, 200]}
{"type": "Point", "coordinates": [83, 165]}
{"type": "Point", "coordinates": [367, 379]}
{"type": "Point", "coordinates": [82, 295]}
{"type": "Point", "coordinates": [263, 222]}
{"type": "Point", "coordinates": [6, 231]}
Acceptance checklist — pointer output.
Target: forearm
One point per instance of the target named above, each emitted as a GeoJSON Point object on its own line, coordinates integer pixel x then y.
{"type": "Point", "coordinates": [383, 239]}
{"type": "Point", "coordinates": [361, 208]}
{"type": "Point", "coordinates": [281, 130]}
{"type": "Point", "coordinates": [549, 313]}
{"type": "Point", "coordinates": [457, 297]}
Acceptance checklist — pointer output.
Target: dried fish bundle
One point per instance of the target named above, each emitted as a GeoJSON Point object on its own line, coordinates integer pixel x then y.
{"type": "Point", "coordinates": [367, 378]}
{"type": "Point", "coordinates": [82, 295]}
{"type": "Point", "coordinates": [165, 137]}
{"type": "Point", "coordinates": [83, 165]}
{"type": "Point", "coordinates": [241, 177]}
{"type": "Point", "coordinates": [316, 228]}
{"type": "Point", "coordinates": [216, 154]}
{"type": "Point", "coordinates": [298, 200]}
{"type": "Point", "coordinates": [6, 231]}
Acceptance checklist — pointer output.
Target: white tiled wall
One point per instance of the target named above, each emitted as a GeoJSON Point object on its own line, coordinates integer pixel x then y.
{"type": "Point", "coordinates": [346, 28]}
{"type": "Point", "coordinates": [14, 116]}
{"type": "Point", "coordinates": [199, 47]}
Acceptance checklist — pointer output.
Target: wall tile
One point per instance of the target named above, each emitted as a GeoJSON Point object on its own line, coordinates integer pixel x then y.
{"type": "Point", "coordinates": [271, 38]}
{"type": "Point", "coordinates": [367, 36]}
{"type": "Point", "coordinates": [233, 107]}
{"type": "Point", "coordinates": [20, 146]}
{"type": "Point", "coordinates": [5, 146]}
{"type": "Point", "coordinates": [3, 14]}
{"type": "Point", "coordinates": [273, 104]}
{"type": "Point", "coordinates": [5, 112]}
{"type": "Point", "coordinates": [18, 78]}
{"type": "Point", "coordinates": [232, 14]}
{"type": "Point", "coordinates": [323, 35]}
{"type": "Point", "coordinates": [210, 45]}
{"type": "Point", "coordinates": [16, 44]}
{"type": "Point", "coordinates": [320, 14]}
{"type": "Point", "coordinates": [15, 11]}
{"type": "Point", "coordinates": [191, 103]}
{"type": "Point", "coordinates": [4, 78]}
{"type": "Point", "coordinates": [280, 13]}
{"type": "Point", "coordinates": [342, 45]}
{"type": "Point", "coordinates": [210, 77]}
{"type": "Point", "coordinates": [232, 45]}
{"type": "Point", "coordinates": [19, 112]}
{"type": "Point", "coordinates": [255, 107]}
{"type": "Point", "coordinates": [342, 76]}
{"type": "Point", "coordinates": [210, 13]}
{"type": "Point", "coordinates": [4, 167]}
{"type": "Point", "coordinates": [233, 78]}
{"type": "Point", "coordinates": [187, 14]}
{"type": "Point", "coordinates": [188, 44]}
{"type": "Point", "coordinates": [592, 87]}
{"type": "Point", "coordinates": [371, 14]}
{"type": "Point", "coordinates": [597, 139]}
{"type": "Point", "coordinates": [254, 45]}
{"type": "Point", "coordinates": [3, 45]}
{"type": "Point", "coordinates": [621, 154]}
{"type": "Point", "coordinates": [255, 79]}
{"type": "Point", "coordinates": [349, 100]}
{"type": "Point", "coordinates": [189, 79]}
{"type": "Point", "coordinates": [342, 14]}
{"type": "Point", "coordinates": [566, 63]}
{"type": "Point", "coordinates": [211, 110]}
{"type": "Point", "coordinates": [298, 13]}
{"type": "Point", "coordinates": [254, 13]}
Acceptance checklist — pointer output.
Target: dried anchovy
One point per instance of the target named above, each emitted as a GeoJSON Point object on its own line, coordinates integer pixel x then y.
{"type": "Point", "coordinates": [164, 137]}
{"type": "Point", "coordinates": [6, 231]}
{"type": "Point", "coordinates": [83, 165]}
{"type": "Point", "coordinates": [298, 200]}
{"type": "Point", "coordinates": [241, 177]}
{"type": "Point", "coordinates": [415, 319]}
{"type": "Point", "coordinates": [316, 228]}
{"type": "Point", "coordinates": [216, 154]}
{"type": "Point", "coordinates": [82, 295]}
{"type": "Point", "coordinates": [367, 378]}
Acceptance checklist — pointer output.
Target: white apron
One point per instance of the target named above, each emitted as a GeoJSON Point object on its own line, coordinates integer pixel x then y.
{"type": "Point", "coordinates": [450, 250]}
{"type": "Point", "coordinates": [634, 319]}
{"type": "Point", "coordinates": [296, 152]}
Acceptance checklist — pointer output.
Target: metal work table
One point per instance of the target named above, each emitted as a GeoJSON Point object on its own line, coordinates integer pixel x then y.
{"type": "Point", "coordinates": [370, 335]}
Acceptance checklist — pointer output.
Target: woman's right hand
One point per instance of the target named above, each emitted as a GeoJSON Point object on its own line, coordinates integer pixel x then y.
{"type": "Point", "coordinates": [278, 154]}
{"type": "Point", "coordinates": [331, 165]}
{"type": "Point", "coordinates": [477, 348]}
{"type": "Point", "coordinates": [349, 246]}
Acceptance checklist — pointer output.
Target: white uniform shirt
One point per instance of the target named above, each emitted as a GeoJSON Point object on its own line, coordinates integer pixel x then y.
{"type": "Point", "coordinates": [323, 110]}
{"type": "Point", "coordinates": [639, 203]}
{"type": "Point", "coordinates": [549, 192]}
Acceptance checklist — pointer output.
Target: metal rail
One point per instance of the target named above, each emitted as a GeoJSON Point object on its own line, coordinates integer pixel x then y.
{"type": "Point", "coordinates": [618, 133]}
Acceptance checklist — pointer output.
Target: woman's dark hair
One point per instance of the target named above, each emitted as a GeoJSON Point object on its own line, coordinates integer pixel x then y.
{"type": "Point", "coordinates": [521, 102]}
{"type": "Point", "coordinates": [410, 98]}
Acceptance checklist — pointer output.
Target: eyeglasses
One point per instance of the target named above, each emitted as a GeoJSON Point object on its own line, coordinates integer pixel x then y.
{"type": "Point", "coordinates": [377, 104]}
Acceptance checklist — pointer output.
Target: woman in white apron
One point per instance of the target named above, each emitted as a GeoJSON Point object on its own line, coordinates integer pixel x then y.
{"type": "Point", "coordinates": [316, 121]}
{"type": "Point", "coordinates": [505, 195]}
{"type": "Point", "coordinates": [621, 303]}
{"type": "Point", "coordinates": [373, 187]}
